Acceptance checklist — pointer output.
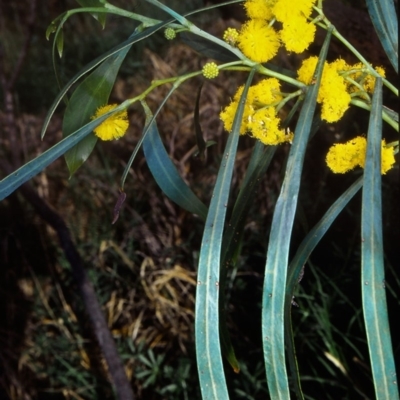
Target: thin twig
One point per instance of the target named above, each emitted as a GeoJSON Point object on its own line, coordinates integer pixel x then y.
{"type": "Point", "coordinates": [103, 335]}
{"type": "Point", "coordinates": [92, 306]}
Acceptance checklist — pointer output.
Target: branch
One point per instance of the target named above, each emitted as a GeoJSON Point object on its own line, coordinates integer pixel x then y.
{"type": "Point", "coordinates": [103, 335]}
{"type": "Point", "coordinates": [106, 342]}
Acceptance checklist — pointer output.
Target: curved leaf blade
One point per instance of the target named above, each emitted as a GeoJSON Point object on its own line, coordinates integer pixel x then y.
{"type": "Point", "coordinates": [295, 267]}
{"type": "Point", "coordinates": [384, 18]}
{"type": "Point", "coordinates": [149, 120]}
{"type": "Point", "coordinates": [208, 349]}
{"type": "Point", "coordinates": [278, 248]}
{"type": "Point", "coordinates": [372, 272]}
{"type": "Point", "coordinates": [258, 165]}
{"type": "Point", "coordinates": [259, 162]}
{"type": "Point", "coordinates": [165, 173]}
{"type": "Point", "coordinates": [13, 181]}
{"type": "Point", "coordinates": [92, 93]}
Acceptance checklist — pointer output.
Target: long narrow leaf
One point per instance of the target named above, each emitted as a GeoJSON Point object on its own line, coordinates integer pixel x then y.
{"type": "Point", "coordinates": [13, 181]}
{"type": "Point", "coordinates": [278, 248]}
{"type": "Point", "coordinates": [165, 173]}
{"type": "Point", "coordinates": [149, 122]}
{"type": "Point", "coordinates": [259, 163]}
{"type": "Point", "coordinates": [384, 18]}
{"type": "Point", "coordinates": [373, 274]}
{"type": "Point", "coordinates": [208, 349]}
{"type": "Point", "coordinates": [303, 253]}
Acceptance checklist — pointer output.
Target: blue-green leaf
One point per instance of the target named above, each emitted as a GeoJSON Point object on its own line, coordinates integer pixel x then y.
{"type": "Point", "coordinates": [149, 118]}
{"type": "Point", "coordinates": [13, 181]}
{"type": "Point", "coordinates": [384, 18]}
{"type": "Point", "coordinates": [259, 162]}
{"type": "Point", "coordinates": [165, 173]}
{"type": "Point", "coordinates": [303, 252]}
{"type": "Point", "coordinates": [208, 349]}
{"type": "Point", "coordinates": [278, 248]}
{"type": "Point", "coordinates": [373, 273]}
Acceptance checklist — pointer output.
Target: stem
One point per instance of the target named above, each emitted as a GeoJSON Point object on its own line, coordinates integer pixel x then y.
{"type": "Point", "coordinates": [339, 36]}
{"type": "Point", "coordinates": [385, 115]}
{"type": "Point", "coordinates": [286, 99]}
{"type": "Point", "coordinates": [282, 77]}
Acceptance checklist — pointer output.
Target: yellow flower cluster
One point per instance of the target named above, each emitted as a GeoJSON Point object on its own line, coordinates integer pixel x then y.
{"type": "Point", "coordinates": [210, 70]}
{"type": "Point", "coordinates": [297, 33]}
{"type": "Point", "coordinates": [260, 118]}
{"type": "Point", "coordinates": [339, 80]}
{"type": "Point", "coordinates": [260, 42]}
{"type": "Point", "coordinates": [344, 157]}
{"type": "Point", "coordinates": [359, 79]}
{"type": "Point", "coordinates": [333, 92]}
{"type": "Point", "coordinates": [113, 127]}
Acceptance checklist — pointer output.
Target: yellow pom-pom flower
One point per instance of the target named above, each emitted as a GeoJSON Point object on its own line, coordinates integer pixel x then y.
{"type": "Point", "coordinates": [259, 115]}
{"type": "Point", "coordinates": [264, 126]}
{"type": "Point", "coordinates": [266, 92]}
{"type": "Point", "coordinates": [210, 70]}
{"type": "Point", "coordinates": [285, 10]}
{"type": "Point", "coordinates": [258, 41]}
{"type": "Point", "coordinates": [259, 9]}
{"type": "Point", "coordinates": [333, 91]}
{"type": "Point", "coordinates": [340, 65]}
{"type": "Point", "coordinates": [343, 157]}
{"type": "Point", "coordinates": [333, 95]}
{"type": "Point", "coordinates": [387, 157]}
{"type": "Point", "coordinates": [227, 116]}
{"type": "Point", "coordinates": [306, 71]}
{"type": "Point", "coordinates": [297, 34]}
{"type": "Point", "coordinates": [114, 127]}
{"type": "Point", "coordinates": [369, 83]}
{"type": "Point", "coordinates": [230, 36]}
